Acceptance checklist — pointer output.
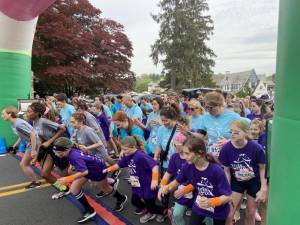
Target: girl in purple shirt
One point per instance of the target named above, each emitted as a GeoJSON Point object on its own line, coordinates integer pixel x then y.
{"type": "Point", "coordinates": [184, 195]}
{"type": "Point", "coordinates": [143, 172]}
{"type": "Point", "coordinates": [209, 180]}
{"type": "Point", "coordinates": [244, 166]}
{"type": "Point", "coordinates": [87, 167]}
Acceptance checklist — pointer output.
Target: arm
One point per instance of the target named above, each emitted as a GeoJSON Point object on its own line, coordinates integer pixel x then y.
{"type": "Point", "coordinates": [111, 169]}
{"type": "Point", "coordinates": [227, 173]}
{"type": "Point", "coordinates": [59, 133]}
{"type": "Point", "coordinates": [179, 193]}
{"type": "Point", "coordinates": [261, 196]}
{"type": "Point", "coordinates": [154, 182]}
{"type": "Point", "coordinates": [33, 144]}
{"type": "Point", "coordinates": [204, 202]}
{"type": "Point", "coordinates": [168, 188]}
{"type": "Point", "coordinates": [157, 153]}
{"type": "Point", "coordinates": [17, 143]}
{"type": "Point", "coordinates": [71, 178]}
{"type": "Point", "coordinates": [90, 148]}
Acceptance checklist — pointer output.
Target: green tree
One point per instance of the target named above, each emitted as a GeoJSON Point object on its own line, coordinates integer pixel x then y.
{"type": "Point", "coordinates": [185, 26]}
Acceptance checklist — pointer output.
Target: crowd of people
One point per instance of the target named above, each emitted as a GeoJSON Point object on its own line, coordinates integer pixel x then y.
{"type": "Point", "coordinates": [202, 158]}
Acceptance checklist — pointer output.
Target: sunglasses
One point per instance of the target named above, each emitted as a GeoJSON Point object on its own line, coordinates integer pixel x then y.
{"type": "Point", "coordinates": [193, 109]}
{"type": "Point", "coordinates": [209, 107]}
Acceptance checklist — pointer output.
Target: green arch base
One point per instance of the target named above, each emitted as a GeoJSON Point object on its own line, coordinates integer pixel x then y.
{"type": "Point", "coordinates": [15, 83]}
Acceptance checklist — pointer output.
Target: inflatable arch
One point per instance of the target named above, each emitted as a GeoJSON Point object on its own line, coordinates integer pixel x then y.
{"type": "Point", "coordinates": [17, 26]}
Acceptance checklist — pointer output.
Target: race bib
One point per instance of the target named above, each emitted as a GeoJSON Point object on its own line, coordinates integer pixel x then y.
{"type": "Point", "coordinates": [244, 174]}
{"type": "Point", "coordinates": [210, 209]}
{"type": "Point", "coordinates": [134, 181]}
{"type": "Point", "coordinates": [189, 195]}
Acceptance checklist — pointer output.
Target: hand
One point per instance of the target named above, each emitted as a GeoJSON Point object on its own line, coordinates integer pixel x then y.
{"type": "Point", "coordinates": [204, 203]}
{"type": "Point", "coordinates": [162, 191]}
{"type": "Point", "coordinates": [104, 171]}
{"type": "Point", "coordinates": [83, 148]}
{"type": "Point", "coordinates": [62, 180]}
{"type": "Point", "coordinates": [155, 121]}
{"type": "Point", "coordinates": [33, 154]}
{"type": "Point", "coordinates": [179, 193]}
{"type": "Point", "coordinates": [222, 141]}
{"type": "Point", "coordinates": [261, 196]}
{"type": "Point", "coordinates": [46, 144]}
{"type": "Point", "coordinates": [121, 155]}
{"type": "Point", "coordinates": [154, 184]}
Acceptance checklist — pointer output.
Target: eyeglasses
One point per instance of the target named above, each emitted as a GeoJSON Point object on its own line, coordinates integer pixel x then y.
{"type": "Point", "coordinates": [193, 109]}
{"type": "Point", "coordinates": [209, 107]}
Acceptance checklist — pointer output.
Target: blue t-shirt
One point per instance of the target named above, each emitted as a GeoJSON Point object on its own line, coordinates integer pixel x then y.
{"type": "Point", "coordinates": [116, 107]}
{"type": "Point", "coordinates": [162, 138]}
{"type": "Point", "coordinates": [217, 127]}
{"type": "Point", "coordinates": [146, 106]}
{"type": "Point", "coordinates": [66, 114]}
{"type": "Point", "coordinates": [134, 131]}
{"type": "Point", "coordinates": [195, 122]}
{"type": "Point", "coordinates": [151, 142]}
{"type": "Point", "coordinates": [107, 111]}
{"type": "Point", "coordinates": [134, 112]}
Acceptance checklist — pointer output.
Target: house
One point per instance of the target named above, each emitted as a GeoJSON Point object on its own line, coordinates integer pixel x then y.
{"type": "Point", "coordinates": [235, 82]}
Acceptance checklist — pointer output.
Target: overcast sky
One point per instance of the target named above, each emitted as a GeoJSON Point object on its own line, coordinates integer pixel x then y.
{"type": "Point", "coordinates": [245, 32]}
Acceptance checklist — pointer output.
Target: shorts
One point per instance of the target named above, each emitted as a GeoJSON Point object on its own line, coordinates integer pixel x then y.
{"type": "Point", "coordinates": [61, 163]}
{"type": "Point", "coordinates": [97, 177]}
{"type": "Point", "coordinates": [252, 186]}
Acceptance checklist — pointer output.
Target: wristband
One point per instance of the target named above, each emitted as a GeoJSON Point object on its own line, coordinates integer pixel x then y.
{"type": "Point", "coordinates": [188, 188]}
{"type": "Point", "coordinates": [215, 201]}
{"type": "Point", "coordinates": [163, 182]}
{"type": "Point", "coordinates": [171, 185]}
{"type": "Point", "coordinates": [112, 168]}
{"type": "Point", "coordinates": [155, 176]}
{"type": "Point", "coordinates": [70, 179]}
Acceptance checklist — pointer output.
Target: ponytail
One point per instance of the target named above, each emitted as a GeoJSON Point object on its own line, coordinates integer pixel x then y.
{"type": "Point", "coordinates": [133, 142]}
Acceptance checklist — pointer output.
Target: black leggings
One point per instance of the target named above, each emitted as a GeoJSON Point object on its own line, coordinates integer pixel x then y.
{"type": "Point", "coordinates": [198, 220]}
{"type": "Point", "coordinates": [147, 203]}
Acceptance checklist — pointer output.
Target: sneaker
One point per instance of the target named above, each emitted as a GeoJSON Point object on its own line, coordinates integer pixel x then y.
{"type": "Point", "coordinates": [244, 204]}
{"type": "Point", "coordinates": [188, 212]}
{"type": "Point", "coordinates": [257, 216]}
{"type": "Point", "coordinates": [147, 217]}
{"type": "Point", "coordinates": [139, 211]}
{"type": "Point", "coordinates": [33, 184]}
{"type": "Point", "coordinates": [161, 218]}
{"type": "Point", "coordinates": [60, 195]}
{"type": "Point", "coordinates": [85, 217]}
{"type": "Point", "coordinates": [171, 216]}
{"type": "Point", "coordinates": [115, 184]}
{"type": "Point", "coordinates": [120, 204]}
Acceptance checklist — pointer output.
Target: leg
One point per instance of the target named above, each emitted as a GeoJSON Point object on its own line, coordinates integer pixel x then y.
{"type": "Point", "coordinates": [47, 167]}
{"type": "Point", "coordinates": [153, 208]}
{"type": "Point", "coordinates": [219, 222]}
{"type": "Point", "coordinates": [196, 219]}
{"type": "Point", "coordinates": [25, 166]}
{"type": "Point", "coordinates": [137, 201]}
{"type": "Point", "coordinates": [264, 213]}
{"type": "Point", "coordinates": [236, 198]}
{"type": "Point", "coordinates": [250, 212]}
{"type": "Point", "coordinates": [178, 214]}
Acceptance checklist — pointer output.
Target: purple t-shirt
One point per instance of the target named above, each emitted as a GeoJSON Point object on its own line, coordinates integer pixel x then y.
{"type": "Point", "coordinates": [87, 162]}
{"type": "Point", "coordinates": [244, 162]}
{"type": "Point", "coordinates": [252, 116]}
{"type": "Point", "coordinates": [209, 183]}
{"type": "Point", "coordinates": [140, 167]}
{"type": "Point", "coordinates": [174, 168]}
{"type": "Point", "coordinates": [104, 124]}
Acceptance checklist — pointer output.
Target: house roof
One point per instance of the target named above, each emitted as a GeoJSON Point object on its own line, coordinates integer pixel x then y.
{"type": "Point", "coordinates": [241, 77]}
{"type": "Point", "coordinates": [218, 79]}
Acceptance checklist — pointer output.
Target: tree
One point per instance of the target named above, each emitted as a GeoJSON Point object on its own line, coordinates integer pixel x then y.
{"type": "Point", "coordinates": [181, 48]}
{"type": "Point", "coordinates": [77, 51]}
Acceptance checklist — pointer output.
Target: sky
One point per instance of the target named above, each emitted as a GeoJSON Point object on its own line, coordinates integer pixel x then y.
{"type": "Point", "coordinates": [244, 38]}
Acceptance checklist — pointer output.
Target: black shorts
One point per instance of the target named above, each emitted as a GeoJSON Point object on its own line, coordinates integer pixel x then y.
{"type": "Point", "coordinates": [61, 163]}
{"type": "Point", "coordinates": [251, 186]}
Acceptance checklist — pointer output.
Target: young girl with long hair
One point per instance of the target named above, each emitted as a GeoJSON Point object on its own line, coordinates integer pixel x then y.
{"type": "Point", "coordinates": [27, 133]}
{"type": "Point", "coordinates": [212, 189]}
{"type": "Point", "coordinates": [143, 172]}
{"type": "Point", "coordinates": [87, 167]}
{"type": "Point", "coordinates": [244, 165]}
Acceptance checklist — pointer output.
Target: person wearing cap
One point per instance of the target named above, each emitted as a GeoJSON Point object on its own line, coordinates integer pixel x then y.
{"type": "Point", "coordinates": [27, 133]}
{"type": "Point", "coordinates": [87, 167]}
{"type": "Point", "coordinates": [244, 165]}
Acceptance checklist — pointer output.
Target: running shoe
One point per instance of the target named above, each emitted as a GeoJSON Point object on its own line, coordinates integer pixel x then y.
{"type": "Point", "coordinates": [147, 217]}
{"type": "Point", "coordinates": [60, 195]}
{"type": "Point", "coordinates": [161, 218]}
{"type": "Point", "coordinates": [114, 185]}
{"type": "Point", "coordinates": [120, 204]}
{"type": "Point", "coordinates": [86, 216]}
{"type": "Point", "coordinates": [33, 184]}
{"type": "Point", "coordinates": [139, 211]}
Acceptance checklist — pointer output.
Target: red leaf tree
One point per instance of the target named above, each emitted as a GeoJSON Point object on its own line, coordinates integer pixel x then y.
{"type": "Point", "coordinates": [77, 51]}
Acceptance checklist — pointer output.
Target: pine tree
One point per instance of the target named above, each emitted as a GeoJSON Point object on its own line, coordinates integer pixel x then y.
{"type": "Point", "coordinates": [185, 27]}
